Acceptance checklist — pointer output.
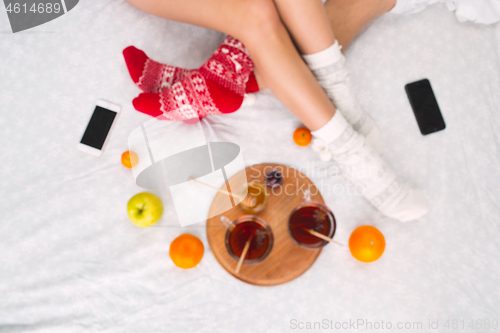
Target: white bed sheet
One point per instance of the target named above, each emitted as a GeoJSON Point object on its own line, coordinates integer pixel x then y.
{"type": "Point", "coordinates": [70, 261]}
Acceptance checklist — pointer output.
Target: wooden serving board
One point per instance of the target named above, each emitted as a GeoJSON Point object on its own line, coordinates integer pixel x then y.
{"type": "Point", "coordinates": [287, 260]}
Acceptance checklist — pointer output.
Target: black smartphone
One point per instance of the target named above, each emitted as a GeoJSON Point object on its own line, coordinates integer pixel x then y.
{"type": "Point", "coordinates": [425, 107]}
{"type": "Point", "coordinates": [96, 135]}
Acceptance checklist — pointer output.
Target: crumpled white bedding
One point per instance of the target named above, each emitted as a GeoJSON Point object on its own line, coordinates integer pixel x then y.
{"type": "Point", "coordinates": [71, 261]}
{"type": "Point", "coordinates": [477, 11]}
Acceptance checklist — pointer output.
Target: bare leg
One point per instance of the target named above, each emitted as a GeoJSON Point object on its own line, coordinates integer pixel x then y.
{"type": "Point", "coordinates": [303, 19]}
{"type": "Point", "coordinates": [345, 18]}
{"type": "Point", "coordinates": [312, 27]}
{"type": "Point", "coordinates": [257, 24]}
{"type": "Point", "coordinates": [349, 17]}
{"type": "Point", "coordinates": [308, 24]}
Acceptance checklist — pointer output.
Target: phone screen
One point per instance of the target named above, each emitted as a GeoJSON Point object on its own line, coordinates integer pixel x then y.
{"type": "Point", "coordinates": [425, 107]}
{"type": "Point", "coordinates": [98, 127]}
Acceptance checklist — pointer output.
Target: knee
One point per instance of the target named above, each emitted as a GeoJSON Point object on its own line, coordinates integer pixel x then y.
{"type": "Point", "coordinates": [259, 19]}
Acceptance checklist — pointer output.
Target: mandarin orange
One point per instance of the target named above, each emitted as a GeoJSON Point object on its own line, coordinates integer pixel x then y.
{"type": "Point", "coordinates": [367, 243]}
{"type": "Point", "coordinates": [186, 251]}
{"type": "Point", "coordinates": [129, 159]}
{"type": "Point", "coordinates": [302, 137]}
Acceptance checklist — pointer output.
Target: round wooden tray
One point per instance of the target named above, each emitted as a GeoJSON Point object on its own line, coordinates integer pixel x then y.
{"type": "Point", "coordinates": [287, 260]}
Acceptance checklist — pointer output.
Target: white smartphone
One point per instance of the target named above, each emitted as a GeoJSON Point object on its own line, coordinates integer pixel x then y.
{"type": "Point", "coordinates": [101, 123]}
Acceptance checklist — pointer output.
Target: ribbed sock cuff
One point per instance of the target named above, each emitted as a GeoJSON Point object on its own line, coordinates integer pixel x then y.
{"type": "Point", "coordinates": [333, 129]}
{"type": "Point", "coordinates": [324, 58]}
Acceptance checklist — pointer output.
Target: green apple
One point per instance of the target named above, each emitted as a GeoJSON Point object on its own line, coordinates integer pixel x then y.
{"type": "Point", "coordinates": [144, 209]}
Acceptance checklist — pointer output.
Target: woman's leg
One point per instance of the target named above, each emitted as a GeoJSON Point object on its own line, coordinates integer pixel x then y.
{"type": "Point", "coordinates": [361, 165]}
{"type": "Point", "coordinates": [348, 17]}
{"type": "Point", "coordinates": [308, 23]}
{"type": "Point", "coordinates": [257, 24]}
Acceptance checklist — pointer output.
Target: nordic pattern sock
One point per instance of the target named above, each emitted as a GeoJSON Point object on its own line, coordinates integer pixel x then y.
{"type": "Point", "coordinates": [153, 77]}
{"type": "Point", "coordinates": [217, 87]}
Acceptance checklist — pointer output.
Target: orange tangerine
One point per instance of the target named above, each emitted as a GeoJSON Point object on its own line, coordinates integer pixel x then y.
{"type": "Point", "coordinates": [302, 136]}
{"type": "Point", "coordinates": [367, 243]}
{"type": "Point", "coordinates": [186, 251]}
{"type": "Point", "coordinates": [130, 159]}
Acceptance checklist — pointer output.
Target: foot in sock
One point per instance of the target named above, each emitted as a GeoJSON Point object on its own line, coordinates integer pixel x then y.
{"type": "Point", "coordinates": [329, 68]}
{"type": "Point", "coordinates": [368, 172]}
{"type": "Point", "coordinates": [153, 77]}
{"type": "Point", "coordinates": [217, 87]}
{"type": "Point", "coordinates": [149, 75]}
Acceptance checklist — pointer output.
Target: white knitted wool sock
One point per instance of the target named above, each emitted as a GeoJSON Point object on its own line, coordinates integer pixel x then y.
{"type": "Point", "coordinates": [367, 171]}
{"type": "Point", "coordinates": [329, 68]}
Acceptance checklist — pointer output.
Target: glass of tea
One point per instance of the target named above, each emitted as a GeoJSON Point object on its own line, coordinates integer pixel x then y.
{"type": "Point", "coordinates": [255, 198]}
{"type": "Point", "coordinates": [312, 215]}
{"type": "Point", "coordinates": [239, 232]}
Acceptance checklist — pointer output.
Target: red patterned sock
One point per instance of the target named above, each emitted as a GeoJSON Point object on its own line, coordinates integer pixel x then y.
{"type": "Point", "coordinates": [217, 87]}
{"type": "Point", "coordinates": [149, 75]}
{"type": "Point", "coordinates": [252, 85]}
{"type": "Point", "coordinates": [153, 77]}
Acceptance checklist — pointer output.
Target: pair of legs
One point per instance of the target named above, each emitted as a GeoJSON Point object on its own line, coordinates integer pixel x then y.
{"type": "Point", "coordinates": [266, 28]}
